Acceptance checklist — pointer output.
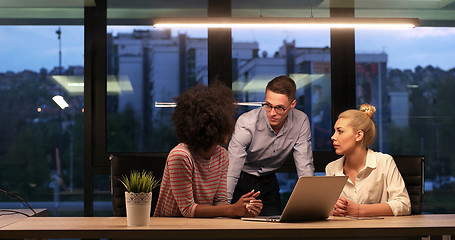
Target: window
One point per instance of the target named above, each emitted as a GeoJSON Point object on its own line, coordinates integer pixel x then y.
{"type": "Point", "coordinates": [147, 68]}
{"type": "Point", "coordinates": [304, 55]}
{"type": "Point", "coordinates": [408, 75]}
{"type": "Point", "coordinates": [258, 56]}
{"type": "Point", "coordinates": [41, 153]}
{"type": "Point", "coordinates": [26, 89]}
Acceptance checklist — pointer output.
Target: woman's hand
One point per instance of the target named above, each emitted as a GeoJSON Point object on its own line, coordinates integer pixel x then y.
{"type": "Point", "coordinates": [352, 209]}
{"type": "Point", "coordinates": [341, 207]}
{"type": "Point", "coordinates": [345, 207]}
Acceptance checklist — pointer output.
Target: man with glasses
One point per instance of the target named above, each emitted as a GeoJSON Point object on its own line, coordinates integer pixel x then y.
{"type": "Point", "coordinates": [263, 139]}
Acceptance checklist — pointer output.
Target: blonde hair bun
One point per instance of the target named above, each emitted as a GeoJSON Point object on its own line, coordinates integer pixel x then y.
{"type": "Point", "coordinates": [368, 109]}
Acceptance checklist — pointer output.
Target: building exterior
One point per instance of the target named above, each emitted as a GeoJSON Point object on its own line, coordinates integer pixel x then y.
{"type": "Point", "coordinates": [160, 66]}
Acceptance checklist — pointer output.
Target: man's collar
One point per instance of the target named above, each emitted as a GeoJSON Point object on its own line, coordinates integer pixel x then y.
{"type": "Point", "coordinates": [263, 122]}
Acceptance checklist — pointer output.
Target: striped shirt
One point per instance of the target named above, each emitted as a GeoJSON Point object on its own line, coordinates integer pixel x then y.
{"type": "Point", "coordinates": [189, 180]}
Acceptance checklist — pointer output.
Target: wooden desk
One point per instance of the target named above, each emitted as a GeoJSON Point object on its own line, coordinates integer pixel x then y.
{"type": "Point", "coordinates": [8, 216]}
{"type": "Point", "coordinates": [225, 228]}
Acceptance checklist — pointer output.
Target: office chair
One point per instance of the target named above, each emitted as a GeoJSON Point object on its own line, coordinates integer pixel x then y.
{"type": "Point", "coordinates": [123, 164]}
{"type": "Point", "coordinates": [412, 171]}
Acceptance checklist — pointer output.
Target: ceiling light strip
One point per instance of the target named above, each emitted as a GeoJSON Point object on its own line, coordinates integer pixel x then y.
{"type": "Point", "coordinates": [265, 22]}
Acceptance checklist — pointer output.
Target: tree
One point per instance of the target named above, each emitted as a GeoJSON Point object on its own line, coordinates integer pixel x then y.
{"type": "Point", "coordinates": [123, 131]}
{"type": "Point", "coordinates": [25, 169]}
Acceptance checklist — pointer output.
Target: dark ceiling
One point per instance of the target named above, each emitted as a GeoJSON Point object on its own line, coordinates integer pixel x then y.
{"type": "Point", "coordinates": [440, 13]}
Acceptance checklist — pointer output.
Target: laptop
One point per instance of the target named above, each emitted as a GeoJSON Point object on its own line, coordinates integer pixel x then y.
{"type": "Point", "coordinates": [312, 199]}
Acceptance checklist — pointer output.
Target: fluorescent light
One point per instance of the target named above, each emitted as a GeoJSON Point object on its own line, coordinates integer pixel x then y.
{"type": "Point", "coordinates": [253, 104]}
{"type": "Point", "coordinates": [76, 84]}
{"type": "Point", "coordinates": [165, 104]}
{"type": "Point", "coordinates": [60, 101]}
{"type": "Point", "coordinates": [116, 84]}
{"type": "Point", "coordinates": [283, 22]}
{"type": "Point", "coordinates": [171, 104]}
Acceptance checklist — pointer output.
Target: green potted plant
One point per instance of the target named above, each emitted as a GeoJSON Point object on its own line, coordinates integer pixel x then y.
{"type": "Point", "coordinates": [138, 196]}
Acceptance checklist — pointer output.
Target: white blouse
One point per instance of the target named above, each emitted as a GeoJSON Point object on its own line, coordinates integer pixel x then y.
{"type": "Point", "coordinates": [378, 182]}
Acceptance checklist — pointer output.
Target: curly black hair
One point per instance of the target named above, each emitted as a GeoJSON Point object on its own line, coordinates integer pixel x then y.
{"type": "Point", "coordinates": [204, 116]}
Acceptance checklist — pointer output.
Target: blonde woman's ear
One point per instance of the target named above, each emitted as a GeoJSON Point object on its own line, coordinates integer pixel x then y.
{"type": "Point", "coordinates": [359, 136]}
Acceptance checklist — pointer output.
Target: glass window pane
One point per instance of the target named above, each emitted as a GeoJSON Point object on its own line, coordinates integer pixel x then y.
{"type": "Point", "coordinates": [41, 145]}
{"type": "Point", "coordinates": [102, 204]}
{"type": "Point", "coordinates": [304, 55]}
{"type": "Point", "coordinates": [408, 76]}
{"type": "Point", "coordinates": [147, 68]}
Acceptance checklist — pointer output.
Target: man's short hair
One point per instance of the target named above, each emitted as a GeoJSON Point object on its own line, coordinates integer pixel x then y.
{"type": "Point", "coordinates": [282, 85]}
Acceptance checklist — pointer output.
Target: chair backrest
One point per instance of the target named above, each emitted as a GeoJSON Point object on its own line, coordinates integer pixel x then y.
{"type": "Point", "coordinates": [123, 164]}
{"type": "Point", "coordinates": [412, 171]}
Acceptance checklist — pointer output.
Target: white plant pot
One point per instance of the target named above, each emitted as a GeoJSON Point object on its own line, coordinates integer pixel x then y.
{"type": "Point", "coordinates": [138, 208]}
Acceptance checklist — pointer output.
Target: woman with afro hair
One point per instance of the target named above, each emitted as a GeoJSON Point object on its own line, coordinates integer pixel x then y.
{"type": "Point", "coordinates": [194, 179]}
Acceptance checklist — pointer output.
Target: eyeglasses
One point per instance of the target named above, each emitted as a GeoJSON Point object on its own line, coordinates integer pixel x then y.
{"type": "Point", "coordinates": [278, 109]}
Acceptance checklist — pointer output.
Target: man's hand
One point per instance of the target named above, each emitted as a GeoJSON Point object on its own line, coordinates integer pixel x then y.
{"type": "Point", "coordinates": [247, 205]}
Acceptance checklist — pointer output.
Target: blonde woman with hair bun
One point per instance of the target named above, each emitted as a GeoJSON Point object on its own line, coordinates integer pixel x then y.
{"type": "Point", "coordinates": [375, 187]}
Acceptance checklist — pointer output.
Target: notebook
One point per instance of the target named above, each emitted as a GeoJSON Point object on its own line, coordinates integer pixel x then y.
{"type": "Point", "coordinates": [312, 199]}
